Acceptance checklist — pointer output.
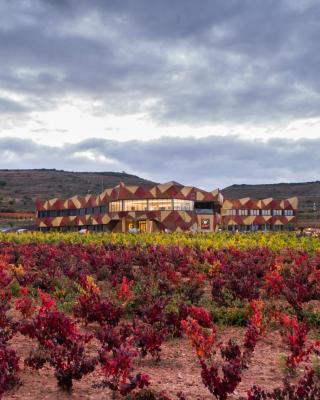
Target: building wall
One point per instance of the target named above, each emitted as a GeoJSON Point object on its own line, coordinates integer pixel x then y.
{"type": "Point", "coordinates": [254, 214]}
{"type": "Point", "coordinates": [236, 214]}
{"type": "Point", "coordinates": [56, 213]}
{"type": "Point", "coordinates": [206, 223]}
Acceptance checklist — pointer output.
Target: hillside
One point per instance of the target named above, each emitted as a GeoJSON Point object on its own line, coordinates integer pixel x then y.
{"type": "Point", "coordinates": [307, 192]}
{"type": "Point", "coordinates": [19, 188]}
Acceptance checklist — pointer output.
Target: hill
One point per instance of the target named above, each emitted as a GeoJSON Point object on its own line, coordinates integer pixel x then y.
{"type": "Point", "coordinates": [307, 192]}
{"type": "Point", "coordinates": [19, 188]}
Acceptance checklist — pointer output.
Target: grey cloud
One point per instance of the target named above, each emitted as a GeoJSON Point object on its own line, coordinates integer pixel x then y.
{"type": "Point", "coordinates": [198, 61]}
{"type": "Point", "coordinates": [209, 162]}
{"type": "Point", "coordinates": [8, 106]}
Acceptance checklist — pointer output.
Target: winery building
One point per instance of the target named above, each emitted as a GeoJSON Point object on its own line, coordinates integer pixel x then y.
{"type": "Point", "coordinates": [168, 207]}
{"type": "Point", "coordinates": [164, 207]}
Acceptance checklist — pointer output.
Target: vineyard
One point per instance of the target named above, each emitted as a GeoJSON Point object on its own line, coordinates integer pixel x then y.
{"type": "Point", "coordinates": [272, 241]}
{"type": "Point", "coordinates": [162, 316]}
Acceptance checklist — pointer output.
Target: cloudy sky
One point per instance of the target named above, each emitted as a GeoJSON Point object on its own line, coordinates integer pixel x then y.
{"type": "Point", "coordinates": [206, 92]}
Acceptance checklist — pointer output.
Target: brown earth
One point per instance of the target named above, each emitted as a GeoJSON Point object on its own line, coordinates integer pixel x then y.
{"type": "Point", "coordinates": [178, 371]}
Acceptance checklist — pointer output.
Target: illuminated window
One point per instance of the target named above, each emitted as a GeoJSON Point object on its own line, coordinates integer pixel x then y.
{"type": "Point", "coordinates": [186, 205]}
{"type": "Point", "coordinates": [265, 212]}
{"type": "Point", "coordinates": [115, 206]}
{"type": "Point", "coordinates": [231, 211]}
{"type": "Point", "coordinates": [277, 212]}
{"type": "Point", "coordinates": [143, 226]}
{"type": "Point", "coordinates": [243, 212]}
{"type": "Point", "coordinates": [160, 204]}
{"type": "Point", "coordinates": [135, 205]}
{"type": "Point", "coordinates": [254, 212]}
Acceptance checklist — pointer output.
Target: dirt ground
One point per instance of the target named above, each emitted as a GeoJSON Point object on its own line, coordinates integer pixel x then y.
{"type": "Point", "coordinates": [177, 371]}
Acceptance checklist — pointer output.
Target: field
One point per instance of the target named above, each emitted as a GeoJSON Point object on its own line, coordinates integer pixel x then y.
{"type": "Point", "coordinates": [162, 316]}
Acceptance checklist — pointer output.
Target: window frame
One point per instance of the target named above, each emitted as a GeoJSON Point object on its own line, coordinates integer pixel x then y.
{"type": "Point", "coordinates": [243, 212]}
{"type": "Point", "coordinates": [266, 212]}
{"type": "Point", "coordinates": [255, 212]}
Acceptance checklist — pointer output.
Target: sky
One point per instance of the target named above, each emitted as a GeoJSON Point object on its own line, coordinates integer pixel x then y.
{"type": "Point", "coordinates": [204, 92]}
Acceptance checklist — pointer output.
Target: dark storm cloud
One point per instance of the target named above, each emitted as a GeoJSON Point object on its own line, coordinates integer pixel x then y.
{"type": "Point", "coordinates": [208, 162]}
{"type": "Point", "coordinates": [176, 60]}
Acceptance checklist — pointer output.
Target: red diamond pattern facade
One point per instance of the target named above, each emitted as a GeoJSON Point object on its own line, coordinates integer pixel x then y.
{"type": "Point", "coordinates": [169, 206]}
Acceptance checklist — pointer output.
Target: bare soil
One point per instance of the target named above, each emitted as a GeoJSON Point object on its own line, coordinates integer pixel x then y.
{"type": "Point", "coordinates": [177, 371]}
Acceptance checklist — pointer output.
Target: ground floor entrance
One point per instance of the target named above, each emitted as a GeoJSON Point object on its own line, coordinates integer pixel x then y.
{"type": "Point", "coordinates": [138, 226]}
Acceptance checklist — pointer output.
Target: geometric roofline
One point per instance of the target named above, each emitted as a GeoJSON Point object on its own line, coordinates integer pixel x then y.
{"type": "Point", "coordinates": [252, 203]}
{"type": "Point", "coordinates": [133, 192]}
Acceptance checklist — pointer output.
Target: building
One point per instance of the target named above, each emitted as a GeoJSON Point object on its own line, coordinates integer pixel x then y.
{"type": "Point", "coordinates": [169, 206]}
{"type": "Point", "coordinates": [165, 207]}
{"type": "Point", "coordinates": [249, 214]}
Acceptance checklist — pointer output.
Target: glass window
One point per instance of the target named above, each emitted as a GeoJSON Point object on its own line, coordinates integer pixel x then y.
{"type": "Point", "coordinates": [186, 205]}
{"type": "Point", "coordinates": [277, 212]}
{"type": "Point", "coordinates": [103, 209]}
{"type": "Point", "coordinates": [53, 213]}
{"type": "Point", "coordinates": [254, 212]}
{"type": "Point", "coordinates": [288, 212]}
{"type": "Point", "coordinates": [160, 204]}
{"type": "Point", "coordinates": [231, 212]}
{"type": "Point", "coordinates": [82, 211]}
{"type": "Point", "coordinates": [135, 205]}
{"type": "Point", "coordinates": [265, 212]}
{"type": "Point", "coordinates": [115, 206]}
{"type": "Point", "coordinates": [74, 212]}
{"type": "Point", "coordinates": [143, 226]}
{"type": "Point", "coordinates": [243, 212]}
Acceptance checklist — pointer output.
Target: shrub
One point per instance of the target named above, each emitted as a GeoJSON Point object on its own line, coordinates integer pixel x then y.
{"type": "Point", "coordinates": [297, 279]}
{"type": "Point", "coordinates": [305, 389]}
{"type": "Point", "coordinates": [92, 308]}
{"type": "Point", "coordinates": [234, 359]}
{"type": "Point", "coordinates": [148, 339]}
{"type": "Point", "coordinates": [9, 367]}
{"type": "Point", "coordinates": [117, 367]}
{"type": "Point", "coordinates": [60, 344]}
{"type": "Point", "coordinates": [238, 275]}
{"type": "Point", "coordinates": [149, 394]}
{"type": "Point", "coordinates": [25, 304]}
